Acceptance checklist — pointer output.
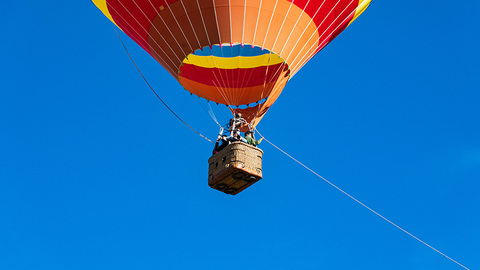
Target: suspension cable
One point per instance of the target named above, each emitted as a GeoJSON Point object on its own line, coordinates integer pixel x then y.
{"type": "Point", "coordinates": [153, 90]}
{"type": "Point", "coordinates": [362, 204]}
{"type": "Point", "coordinates": [205, 105]}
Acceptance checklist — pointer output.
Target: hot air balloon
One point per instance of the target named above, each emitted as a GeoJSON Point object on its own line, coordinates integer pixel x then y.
{"type": "Point", "coordinates": [240, 53]}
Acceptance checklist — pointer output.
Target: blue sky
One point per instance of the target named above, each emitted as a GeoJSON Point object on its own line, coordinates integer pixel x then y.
{"type": "Point", "coordinates": [96, 174]}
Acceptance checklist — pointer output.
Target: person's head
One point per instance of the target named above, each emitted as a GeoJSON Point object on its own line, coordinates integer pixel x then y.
{"type": "Point", "coordinates": [238, 115]}
{"type": "Point", "coordinates": [248, 133]}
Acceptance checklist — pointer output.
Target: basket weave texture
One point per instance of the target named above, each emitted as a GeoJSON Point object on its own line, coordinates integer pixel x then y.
{"type": "Point", "coordinates": [235, 168]}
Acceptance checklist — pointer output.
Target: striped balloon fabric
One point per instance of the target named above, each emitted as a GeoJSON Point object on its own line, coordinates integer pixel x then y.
{"type": "Point", "coordinates": [234, 75]}
{"type": "Point", "coordinates": [239, 53]}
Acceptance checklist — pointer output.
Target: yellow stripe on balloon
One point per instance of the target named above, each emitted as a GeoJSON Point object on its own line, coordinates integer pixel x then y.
{"type": "Point", "coordinates": [233, 62]}
{"type": "Point", "coordinates": [362, 5]}
{"type": "Point", "coordinates": [102, 5]}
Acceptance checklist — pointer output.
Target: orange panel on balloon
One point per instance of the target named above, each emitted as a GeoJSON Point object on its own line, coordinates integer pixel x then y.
{"type": "Point", "coordinates": [234, 52]}
{"type": "Point", "coordinates": [232, 74]}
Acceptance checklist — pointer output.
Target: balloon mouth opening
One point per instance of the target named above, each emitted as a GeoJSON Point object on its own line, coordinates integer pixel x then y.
{"type": "Point", "coordinates": [250, 105]}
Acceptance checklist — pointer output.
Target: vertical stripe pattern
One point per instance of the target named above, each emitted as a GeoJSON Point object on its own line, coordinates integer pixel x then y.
{"type": "Point", "coordinates": [234, 52]}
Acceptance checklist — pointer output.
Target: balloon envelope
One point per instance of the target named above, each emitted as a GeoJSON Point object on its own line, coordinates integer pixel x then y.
{"type": "Point", "coordinates": [239, 53]}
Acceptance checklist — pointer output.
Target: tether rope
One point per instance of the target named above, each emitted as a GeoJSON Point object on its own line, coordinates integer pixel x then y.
{"type": "Point", "coordinates": [153, 90]}
{"type": "Point", "coordinates": [312, 171]}
{"type": "Point", "coordinates": [362, 204]}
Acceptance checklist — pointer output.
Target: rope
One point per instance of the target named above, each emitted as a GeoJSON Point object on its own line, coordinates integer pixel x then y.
{"type": "Point", "coordinates": [153, 90]}
{"type": "Point", "coordinates": [174, 73]}
{"type": "Point", "coordinates": [207, 108]}
{"type": "Point", "coordinates": [362, 204]}
{"type": "Point", "coordinates": [302, 63]}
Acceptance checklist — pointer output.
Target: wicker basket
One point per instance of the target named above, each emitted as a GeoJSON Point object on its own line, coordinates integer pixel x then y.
{"type": "Point", "coordinates": [235, 168]}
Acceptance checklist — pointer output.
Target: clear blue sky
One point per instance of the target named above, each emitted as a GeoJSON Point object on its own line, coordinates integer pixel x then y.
{"type": "Point", "coordinates": [96, 174]}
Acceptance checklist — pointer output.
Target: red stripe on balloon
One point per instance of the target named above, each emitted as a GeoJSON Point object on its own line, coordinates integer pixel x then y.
{"type": "Point", "coordinates": [232, 78]}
